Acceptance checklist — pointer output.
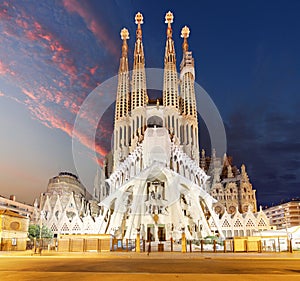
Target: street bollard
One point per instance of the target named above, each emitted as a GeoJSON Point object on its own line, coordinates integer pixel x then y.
{"type": "Point", "coordinates": [183, 243]}
{"type": "Point", "coordinates": [137, 244]}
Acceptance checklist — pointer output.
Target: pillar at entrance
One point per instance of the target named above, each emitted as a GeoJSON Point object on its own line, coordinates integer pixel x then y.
{"type": "Point", "coordinates": [137, 243]}
{"type": "Point", "coordinates": [183, 243]}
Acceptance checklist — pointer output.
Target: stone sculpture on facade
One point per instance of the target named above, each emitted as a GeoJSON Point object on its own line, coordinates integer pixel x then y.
{"type": "Point", "coordinates": [153, 181]}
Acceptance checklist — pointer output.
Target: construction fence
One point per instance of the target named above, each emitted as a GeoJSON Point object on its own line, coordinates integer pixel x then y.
{"type": "Point", "coordinates": [101, 243]}
{"type": "Point", "coordinates": [84, 243]}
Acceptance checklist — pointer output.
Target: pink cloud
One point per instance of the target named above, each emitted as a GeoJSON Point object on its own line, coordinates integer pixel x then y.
{"type": "Point", "coordinates": [46, 93]}
{"type": "Point", "coordinates": [11, 98]}
{"type": "Point", "coordinates": [89, 143]}
{"type": "Point", "coordinates": [66, 103]}
{"type": "Point", "coordinates": [82, 9]}
{"type": "Point", "coordinates": [27, 28]}
{"type": "Point", "coordinates": [68, 67]}
{"type": "Point", "coordinates": [29, 94]}
{"type": "Point", "coordinates": [58, 98]}
{"type": "Point", "coordinates": [5, 69]}
{"type": "Point", "coordinates": [87, 116]}
{"type": "Point", "coordinates": [22, 23]}
{"type": "Point", "coordinates": [59, 53]}
{"type": "Point", "coordinates": [85, 81]}
{"type": "Point", "coordinates": [93, 69]}
{"type": "Point", "coordinates": [49, 118]}
{"type": "Point", "coordinates": [39, 92]}
{"type": "Point", "coordinates": [74, 107]}
{"type": "Point", "coordinates": [4, 11]}
{"type": "Point", "coordinates": [30, 35]}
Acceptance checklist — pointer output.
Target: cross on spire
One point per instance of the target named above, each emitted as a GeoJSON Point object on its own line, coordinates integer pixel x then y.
{"type": "Point", "coordinates": [185, 33]}
{"type": "Point", "coordinates": [169, 19]}
{"type": "Point", "coordinates": [139, 20]}
{"type": "Point", "coordinates": [124, 34]}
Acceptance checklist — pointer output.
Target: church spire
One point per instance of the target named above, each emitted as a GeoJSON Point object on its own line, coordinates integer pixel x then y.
{"type": "Point", "coordinates": [122, 104]}
{"type": "Point", "coordinates": [139, 96]}
{"type": "Point", "coordinates": [188, 98]}
{"type": "Point", "coordinates": [185, 33]}
{"type": "Point", "coordinates": [244, 174]}
{"type": "Point", "coordinates": [170, 90]}
{"type": "Point", "coordinates": [122, 101]}
{"type": "Point", "coordinates": [187, 77]}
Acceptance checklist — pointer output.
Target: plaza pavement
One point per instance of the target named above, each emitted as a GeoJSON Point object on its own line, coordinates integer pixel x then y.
{"type": "Point", "coordinates": [24, 266]}
{"type": "Point", "coordinates": [157, 255]}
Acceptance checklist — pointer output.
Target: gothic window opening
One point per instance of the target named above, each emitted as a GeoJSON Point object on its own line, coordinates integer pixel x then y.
{"type": "Point", "coordinates": [70, 215]}
{"type": "Point", "coordinates": [187, 134]}
{"type": "Point", "coordinates": [154, 121]}
{"type": "Point", "coordinates": [120, 137]}
{"type": "Point", "coordinates": [57, 215]}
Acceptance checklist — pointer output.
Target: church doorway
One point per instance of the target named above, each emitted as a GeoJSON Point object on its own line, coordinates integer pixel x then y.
{"type": "Point", "coordinates": [161, 233]}
{"type": "Point", "coordinates": [150, 232]}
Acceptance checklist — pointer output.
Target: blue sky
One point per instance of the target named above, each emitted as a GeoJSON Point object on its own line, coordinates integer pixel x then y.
{"type": "Point", "coordinates": [54, 53]}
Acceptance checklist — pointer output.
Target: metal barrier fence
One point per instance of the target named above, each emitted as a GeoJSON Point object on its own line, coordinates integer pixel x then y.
{"type": "Point", "coordinates": [238, 244]}
{"type": "Point", "coordinates": [127, 245]}
{"type": "Point", "coordinates": [90, 244]}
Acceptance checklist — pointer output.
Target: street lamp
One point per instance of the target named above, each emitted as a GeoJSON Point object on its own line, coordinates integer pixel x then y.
{"type": "Point", "coordinates": [288, 235]}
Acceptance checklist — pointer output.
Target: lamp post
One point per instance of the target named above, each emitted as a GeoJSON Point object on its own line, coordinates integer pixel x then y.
{"type": "Point", "coordinates": [291, 242]}
{"type": "Point", "coordinates": [288, 235]}
{"type": "Point", "coordinates": [183, 239]}
{"type": "Point", "coordinates": [138, 246]}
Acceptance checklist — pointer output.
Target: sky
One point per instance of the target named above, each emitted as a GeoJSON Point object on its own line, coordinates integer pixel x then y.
{"type": "Point", "coordinates": [54, 53]}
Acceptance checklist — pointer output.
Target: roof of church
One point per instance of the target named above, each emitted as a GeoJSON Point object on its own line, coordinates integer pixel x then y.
{"type": "Point", "coordinates": [11, 214]}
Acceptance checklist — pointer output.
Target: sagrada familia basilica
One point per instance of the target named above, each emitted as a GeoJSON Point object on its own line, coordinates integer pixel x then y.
{"type": "Point", "coordinates": [157, 183]}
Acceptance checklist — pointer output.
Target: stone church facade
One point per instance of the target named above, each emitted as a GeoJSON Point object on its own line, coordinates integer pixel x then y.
{"type": "Point", "coordinates": [154, 182]}
{"type": "Point", "coordinates": [230, 186]}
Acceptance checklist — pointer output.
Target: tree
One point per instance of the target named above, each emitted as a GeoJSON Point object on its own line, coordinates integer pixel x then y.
{"type": "Point", "coordinates": [34, 231]}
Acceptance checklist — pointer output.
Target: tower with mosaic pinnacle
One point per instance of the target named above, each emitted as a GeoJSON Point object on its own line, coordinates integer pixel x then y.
{"type": "Point", "coordinates": [170, 86]}
{"type": "Point", "coordinates": [139, 97]}
{"type": "Point", "coordinates": [121, 140]}
{"type": "Point", "coordinates": [188, 99]}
